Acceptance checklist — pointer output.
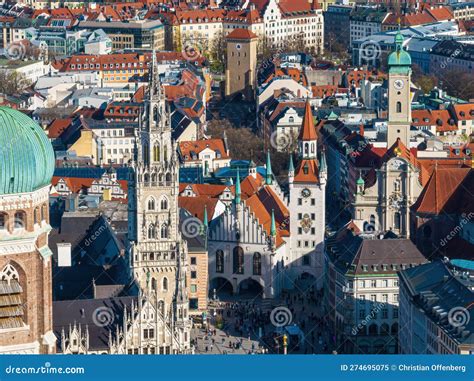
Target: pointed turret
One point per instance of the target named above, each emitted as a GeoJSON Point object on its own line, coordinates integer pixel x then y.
{"type": "Point", "coordinates": [308, 137]}
{"type": "Point", "coordinates": [291, 167]}
{"type": "Point", "coordinates": [273, 230]}
{"type": "Point", "coordinates": [237, 188]}
{"type": "Point", "coordinates": [269, 175]}
{"type": "Point", "coordinates": [205, 217]}
{"type": "Point", "coordinates": [291, 172]}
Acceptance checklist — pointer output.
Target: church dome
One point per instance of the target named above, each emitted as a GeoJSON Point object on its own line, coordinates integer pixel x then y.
{"type": "Point", "coordinates": [26, 155]}
{"type": "Point", "coordinates": [400, 57]}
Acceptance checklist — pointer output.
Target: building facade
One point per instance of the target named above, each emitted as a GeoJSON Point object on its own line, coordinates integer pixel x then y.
{"type": "Point", "coordinates": [384, 196]}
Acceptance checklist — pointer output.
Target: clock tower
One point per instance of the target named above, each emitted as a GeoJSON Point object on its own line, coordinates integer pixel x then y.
{"type": "Point", "coordinates": [307, 187]}
{"type": "Point", "coordinates": [399, 98]}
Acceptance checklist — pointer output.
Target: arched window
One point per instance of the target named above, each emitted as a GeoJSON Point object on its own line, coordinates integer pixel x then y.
{"type": "Point", "coordinates": [398, 220]}
{"type": "Point", "coordinates": [257, 264]}
{"type": "Point", "coordinates": [291, 119]}
{"type": "Point", "coordinates": [384, 329]}
{"type": "Point", "coordinates": [20, 220]}
{"type": "Point", "coordinates": [9, 274]}
{"type": "Point", "coordinates": [3, 221]}
{"type": "Point", "coordinates": [164, 203]}
{"type": "Point", "coordinates": [44, 212]}
{"type": "Point", "coordinates": [153, 284]}
{"type": "Point", "coordinates": [312, 147]}
{"type": "Point", "coordinates": [151, 204]}
{"type": "Point", "coordinates": [219, 261]}
{"type": "Point", "coordinates": [164, 231]}
{"type": "Point", "coordinates": [146, 178]}
{"type": "Point", "coordinates": [153, 178]}
{"type": "Point", "coordinates": [156, 153]}
{"type": "Point", "coordinates": [151, 232]}
{"type": "Point", "coordinates": [306, 149]}
{"type": "Point", "coordinates": [36, 215]}
{"type": "Point", "coordinates": [399, 107]}
{"type": "Point", "coordinates": [168, 179]}
{"type": "Point", "coordinates": [161, 307]}
{"type": "Point", "coordinates": [146, 154]}
{"type": "Point", "coordinates": [238, 260]}
{"type": "Point", "coordinates": [165, 284]}
{"type": "Point", "coordinates": [373, 330]}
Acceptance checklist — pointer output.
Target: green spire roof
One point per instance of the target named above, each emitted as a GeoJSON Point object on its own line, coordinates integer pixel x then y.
{"type": "Point", "coordinates": [273, 230]}
{"type": "Point", "coordinates": [237, 188]}
{"type": "Point", "coordinates": [269, 176]}
{"type": "Point", "coordinates": [322, 163]}
{"type": "Point", "coordinates": [360, 180]}
{"type": "Point", "coordinates": [291, 167]}
{"type": "Point", "coordinates": [205, 215]}
{"type": "Point", "coordinates": [400, 59]}
{"type": "Point", "coordinates": [26, 155]}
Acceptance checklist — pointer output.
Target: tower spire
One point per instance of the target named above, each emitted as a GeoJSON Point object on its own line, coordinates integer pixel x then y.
{"type": "Point", "coordinates": [307, 137]}
{"type": "Point", "coordinates": [237, 188]}
{"type": "Point", "coordinates": [269, 175]}
{"type": "Point", "coordinates": [291, 167]}
{"type": "Point", "coordinates": [273, 231]}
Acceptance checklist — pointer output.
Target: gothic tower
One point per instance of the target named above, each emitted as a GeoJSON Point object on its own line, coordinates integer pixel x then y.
{"type": "Point", "coordinates": [307, 187]}
{"type": "Point", "coordinates": [158, 252]}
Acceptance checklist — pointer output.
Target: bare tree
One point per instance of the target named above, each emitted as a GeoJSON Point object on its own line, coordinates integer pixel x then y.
{"type": "Point", "coordinates": [12, 82]}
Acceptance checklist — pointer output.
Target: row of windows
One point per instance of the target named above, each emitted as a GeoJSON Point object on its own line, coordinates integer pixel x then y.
{"type": "Point", "coordinates": [238, 262]}
{"type": "Point", "coordinates": [19, 218]}
{"type": "Point", "coordinates": [378, 283]}
{"type": "Point", "coordinates": [375, 297]}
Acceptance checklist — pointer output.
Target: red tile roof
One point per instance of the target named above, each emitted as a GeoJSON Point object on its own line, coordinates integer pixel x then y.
{"type": "Point", "coordinates": [437, 193]}
{"type": "Point", "coordinates": [195, 206]}
{"type": "Point", "coordinates": [307, 132]}
{"type": "Point", "coordinates": [241, 34]}
{"type": "Point", "coordinates": [186, 147]}
{"type": "Point", "coordinates": [57, 127]}
{"type": "Point", "coordinates": [307, 172]}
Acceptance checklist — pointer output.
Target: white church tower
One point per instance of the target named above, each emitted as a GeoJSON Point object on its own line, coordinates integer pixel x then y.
{"type": "Point", "coordinates": [158, 253]}
{"type": "Point", "coordinates": [307, 189]}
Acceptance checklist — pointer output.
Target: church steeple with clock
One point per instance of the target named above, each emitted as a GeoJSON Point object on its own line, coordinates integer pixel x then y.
{"type": "Point", "coordinates": [399, 98]}
{"type": "Point", "coordinates": [307, 187]}
{"type": "Point", "coordinates": [384, 205]}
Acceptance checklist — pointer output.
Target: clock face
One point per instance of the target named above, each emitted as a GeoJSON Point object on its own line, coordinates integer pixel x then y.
{"type": "Point", "coordinates": [398, 84]}
{"type": "Point", "coordinates": [305, 192]}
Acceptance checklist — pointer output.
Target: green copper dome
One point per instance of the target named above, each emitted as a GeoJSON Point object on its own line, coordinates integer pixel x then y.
{"type": "Point", "coordinates": [400, 58]}
{"type": "Point", "coordinates": [26, 155]}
